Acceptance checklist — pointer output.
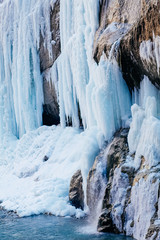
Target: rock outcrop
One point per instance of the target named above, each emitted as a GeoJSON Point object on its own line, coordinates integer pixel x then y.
{"type": "Point", "coordinates": [76, 194]}
{"type": "Point", "coordinates": [136, 25]}
{"type": "Point", "coordinates": [96, 181]}
{"type": "Point", "coordinates": [131, 201]}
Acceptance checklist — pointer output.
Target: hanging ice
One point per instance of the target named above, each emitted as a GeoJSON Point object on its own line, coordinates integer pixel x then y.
{"type": "Point", "coordinates": [21, 94]}
{"type": "Point", "coordinates": [97, 91]}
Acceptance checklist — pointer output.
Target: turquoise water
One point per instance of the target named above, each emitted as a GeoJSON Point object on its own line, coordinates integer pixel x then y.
{"type": "Point", "coordinates": [45, 227]}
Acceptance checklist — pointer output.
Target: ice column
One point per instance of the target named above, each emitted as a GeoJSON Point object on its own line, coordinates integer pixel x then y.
{"type": "Point", "coordinates": [21, 94]}
{"type": "Point", "coordinates": [98, 92]}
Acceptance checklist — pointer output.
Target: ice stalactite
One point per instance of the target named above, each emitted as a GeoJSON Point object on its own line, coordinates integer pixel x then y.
{"type": "Point", "coordinates": [98, 91]}
{"type": "Point", "coordinates": [21, 83]}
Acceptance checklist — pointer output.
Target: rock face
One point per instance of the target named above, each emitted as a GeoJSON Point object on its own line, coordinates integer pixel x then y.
{"type": "Point", "coordinates": [96, 182]}
{"type": "Point", "coordinates": [76, 194]}
{"type": "Point", "coordinates": [117, 153]}
{"type": "Point", "coordinates": [131, 201]}
{"type": "Point", "coordinates": [138, 48]}
{"type": "Point", "coordinates": [50, 107]}
{"type": "Point", "coordinates": [136, 25]}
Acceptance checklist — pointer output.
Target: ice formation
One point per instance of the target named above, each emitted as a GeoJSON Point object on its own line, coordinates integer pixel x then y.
{"type": "Point", "coordinates": [144, 142]}
{"type": "Point", "coordinates": [98, 92]}
{"type": "Point", "coordinates": [144, 134]}
{"type": "Point", "coordinates": [21, 94]}
{"type": "Point", "coordinates": [35, 170]}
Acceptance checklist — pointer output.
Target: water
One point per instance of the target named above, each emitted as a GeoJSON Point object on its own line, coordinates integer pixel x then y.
{"type": "Point", "coordinates": [45, 227]}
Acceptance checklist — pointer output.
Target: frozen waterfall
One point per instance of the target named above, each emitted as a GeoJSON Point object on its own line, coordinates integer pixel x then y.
{"type": "Point", "coordinates": [95, 93]}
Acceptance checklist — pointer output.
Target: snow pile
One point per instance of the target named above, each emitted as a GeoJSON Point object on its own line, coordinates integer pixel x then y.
{"type": "Point", "coordinates": [35, 173]}
{"type": "Point", "coordinates": [144, 134]}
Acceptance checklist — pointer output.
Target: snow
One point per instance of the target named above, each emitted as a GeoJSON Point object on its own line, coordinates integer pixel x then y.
{"type": "Point", "coordinates": [98, 93]}
{"type": "Point", "coordinates": [42, 186]}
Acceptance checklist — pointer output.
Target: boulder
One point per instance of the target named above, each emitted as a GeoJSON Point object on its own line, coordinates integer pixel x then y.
{"type": "Point", "coordinates": [76, 194]}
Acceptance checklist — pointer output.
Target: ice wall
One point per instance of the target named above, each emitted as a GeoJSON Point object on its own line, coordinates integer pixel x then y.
{"type": "Point", "coordinates": [21, 94]}
{"type": "Point", "coordinates": [97, 93]}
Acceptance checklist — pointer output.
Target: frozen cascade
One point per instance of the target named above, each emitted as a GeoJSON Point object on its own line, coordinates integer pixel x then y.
{"type": "Point", "coordinates": [21, 94]}
{"type": "Point", "coordinates": [98, 92]}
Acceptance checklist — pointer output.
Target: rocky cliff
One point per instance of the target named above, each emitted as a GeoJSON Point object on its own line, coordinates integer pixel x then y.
{"type": "Point", "coordinates": [132, 194]}
{"type": "Point", "coordinates": [136, 25]}
{"type": "Point", "coordinates": [131, 200]}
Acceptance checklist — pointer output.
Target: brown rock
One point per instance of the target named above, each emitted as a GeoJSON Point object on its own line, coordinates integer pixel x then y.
{"type": "Point", "coordinates": [141, 19]}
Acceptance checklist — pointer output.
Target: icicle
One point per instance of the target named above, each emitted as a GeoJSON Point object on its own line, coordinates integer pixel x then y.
{"type": "Point", "coordinates": [21, 83]}
{"type": "Point", "coordinates": [100, 91]}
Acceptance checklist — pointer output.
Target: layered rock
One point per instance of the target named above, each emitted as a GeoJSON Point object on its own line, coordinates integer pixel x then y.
{"type": "Point", "coordinates": [136, 25]}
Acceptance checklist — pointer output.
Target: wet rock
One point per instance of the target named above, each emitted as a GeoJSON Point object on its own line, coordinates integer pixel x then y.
{"type": "Point", "coordinates": [153, 232]}
{"type": "Point", "coordinates": [95, 182]}
{"type": "Point", "coordinates": [118, 188]}
{"type": "Point", "coordinates": [105, 223]}
{"type": "Point", "coordinates": [76, 194]}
